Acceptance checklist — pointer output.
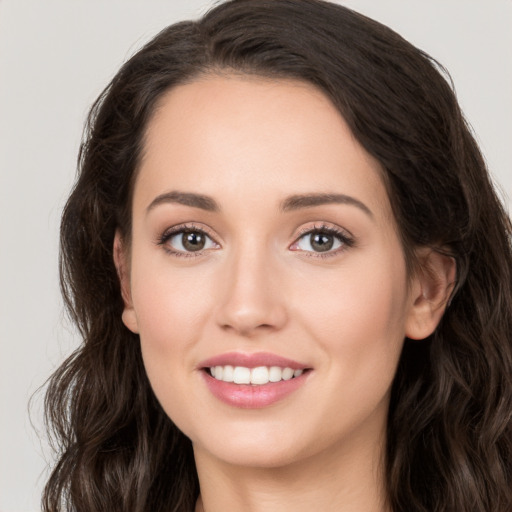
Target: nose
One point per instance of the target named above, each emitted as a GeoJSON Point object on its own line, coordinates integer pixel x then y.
{"type": "Point", "coordinates": [252, 299]}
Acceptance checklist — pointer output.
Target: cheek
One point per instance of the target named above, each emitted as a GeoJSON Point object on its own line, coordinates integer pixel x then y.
{"type": "Point", "coordinates": [168, 306]}
{"type": "Point", "coordinates": [357, 314]}
{"type": "Point", "coordinates": [170, 303]}
{"type": "Point", "coordinates": [357, 321]}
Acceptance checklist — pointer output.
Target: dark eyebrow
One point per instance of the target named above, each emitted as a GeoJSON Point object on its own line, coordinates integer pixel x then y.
{"type": "Point", "coordinates": [187, 199]}
{"type": "Point", "coordinates": [297, 202]}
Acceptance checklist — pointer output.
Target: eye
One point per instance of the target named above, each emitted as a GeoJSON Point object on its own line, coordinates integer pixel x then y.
{"type": "Point", "coordinates": [322, 240]}
{"type": "Point", "coordinates": [185, 240]}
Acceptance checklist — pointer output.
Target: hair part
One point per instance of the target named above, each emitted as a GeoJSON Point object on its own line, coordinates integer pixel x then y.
{"type": "Point", "coordinates": [449, 438]}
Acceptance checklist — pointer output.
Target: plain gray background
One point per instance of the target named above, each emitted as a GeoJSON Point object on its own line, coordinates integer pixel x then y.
{"type": "Point", "coordinates": [55, 58]}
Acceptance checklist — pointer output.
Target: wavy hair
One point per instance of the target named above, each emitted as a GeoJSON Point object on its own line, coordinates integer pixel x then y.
{"type": "Point", "coordinates": [449, 435]}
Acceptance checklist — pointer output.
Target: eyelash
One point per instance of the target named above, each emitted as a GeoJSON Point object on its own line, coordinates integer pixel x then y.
{"type": "Point", "coordinates": [345, 239]}
{"type": "Point", "coordinates": [176, 230]}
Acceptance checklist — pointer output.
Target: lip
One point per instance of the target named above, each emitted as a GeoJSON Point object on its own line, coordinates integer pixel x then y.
{"type": "Point", "coordinates": [248, 396]}
{"type": "Point", "coordinates": [251, 360]}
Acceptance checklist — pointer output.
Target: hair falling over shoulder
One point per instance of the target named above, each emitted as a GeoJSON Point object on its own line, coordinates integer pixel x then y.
{"type": "Point", "coordinates": [449, 438]}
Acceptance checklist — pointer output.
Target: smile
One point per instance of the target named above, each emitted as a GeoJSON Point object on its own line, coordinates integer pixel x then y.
{"type": "Point", "coordinates": [253, 381]}
{"type": "Point", "coordinates": [258, 376]}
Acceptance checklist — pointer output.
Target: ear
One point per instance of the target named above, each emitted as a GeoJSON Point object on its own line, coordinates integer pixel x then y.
{"type": "Point", "coordinates": [431, 289]}
{"type": "Point", "coordinates": [122, 263]}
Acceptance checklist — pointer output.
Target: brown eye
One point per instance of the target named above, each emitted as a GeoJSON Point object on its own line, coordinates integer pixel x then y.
{"type": "Point", "coordinates": [321, 242]}
{"type": "Point", "coordinates": [188, 241]}
{"type": "Point", "coordinates": [193, 240]}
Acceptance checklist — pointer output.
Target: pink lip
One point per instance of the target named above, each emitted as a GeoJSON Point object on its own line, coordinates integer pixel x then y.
{"type": "Point", "coordinates": [247, 396]}
{"type": "Point", "coordinates": [251, 360]}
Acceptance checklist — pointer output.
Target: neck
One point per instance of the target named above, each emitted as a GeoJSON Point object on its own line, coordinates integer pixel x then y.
{"type": "Point", "coordinates": [336, 481]}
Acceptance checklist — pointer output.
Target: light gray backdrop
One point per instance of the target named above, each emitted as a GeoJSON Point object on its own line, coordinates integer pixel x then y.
{"type": "Point", "coordinates": [55, 58]}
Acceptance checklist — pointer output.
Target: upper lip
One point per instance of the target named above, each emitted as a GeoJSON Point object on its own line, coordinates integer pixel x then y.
{"type": "Point", "coordinates": [251, 360]}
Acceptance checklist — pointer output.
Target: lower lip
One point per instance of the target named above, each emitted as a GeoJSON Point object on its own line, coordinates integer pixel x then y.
{"type": "Point", "coordinates": [247, 396]}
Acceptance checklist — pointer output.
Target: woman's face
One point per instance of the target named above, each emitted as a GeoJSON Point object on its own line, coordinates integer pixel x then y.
{"type": "Point", "coordinates": [264, 245]}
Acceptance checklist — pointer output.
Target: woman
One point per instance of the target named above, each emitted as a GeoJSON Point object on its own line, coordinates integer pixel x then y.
{"type": "Point", "coordinates": [292, 277]}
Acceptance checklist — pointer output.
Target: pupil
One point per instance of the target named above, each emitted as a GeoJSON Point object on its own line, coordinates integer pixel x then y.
{"type": "Point", "coordinates": [322, 242]}
{"type": "Point", "coordinates": [193, 241]}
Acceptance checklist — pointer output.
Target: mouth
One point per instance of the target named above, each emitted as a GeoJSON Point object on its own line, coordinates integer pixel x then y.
{"type": "Point", "coordinates": [258, 376]}
{"type": "Point", "coordinates": [253, 381]}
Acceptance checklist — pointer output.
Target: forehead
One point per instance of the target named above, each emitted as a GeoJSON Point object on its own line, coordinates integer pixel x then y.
{"type": "Point", "coordinates": [248, 136]}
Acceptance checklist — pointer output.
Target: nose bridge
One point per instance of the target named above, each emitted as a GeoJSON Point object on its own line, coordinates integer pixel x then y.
{"type": "Point", "coordinates": [251, 299]}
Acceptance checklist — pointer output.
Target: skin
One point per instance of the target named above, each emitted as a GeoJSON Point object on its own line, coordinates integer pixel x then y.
{"type": "Point", "coordinates": [258, 286]}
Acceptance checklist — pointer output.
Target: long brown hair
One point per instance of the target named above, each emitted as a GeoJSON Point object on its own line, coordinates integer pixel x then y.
{"type": "Point", "coordinates": [449, 440]}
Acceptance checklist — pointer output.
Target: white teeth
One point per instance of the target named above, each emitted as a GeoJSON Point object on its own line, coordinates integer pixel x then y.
{"type": "Point", "coordinates": [241, 375]}
{"type": "Point", "coordinates": [287, 373]}
{"type": "Point", "coordinates": [275, 374]}
{"type": "Point", "coordinates": [255, 376]}
{"type": "Point", "coordinates": [228, 375]}
{"type": "Point", "coordinates": [259, 375]}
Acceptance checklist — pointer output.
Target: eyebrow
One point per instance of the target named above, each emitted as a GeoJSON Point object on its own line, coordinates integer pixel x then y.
{"type": "Point", "coordinates": [186, 198]}
{"type": "Point", "coordinates": [292, 203]}
{"type": "Point", "coordinates": [297, 202]}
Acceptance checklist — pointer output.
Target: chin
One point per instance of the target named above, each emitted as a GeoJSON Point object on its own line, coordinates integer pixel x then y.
{"type": "Point", "coordinates": [254, 457]}
{"type": "Point", "coordinates": [264, 448]}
